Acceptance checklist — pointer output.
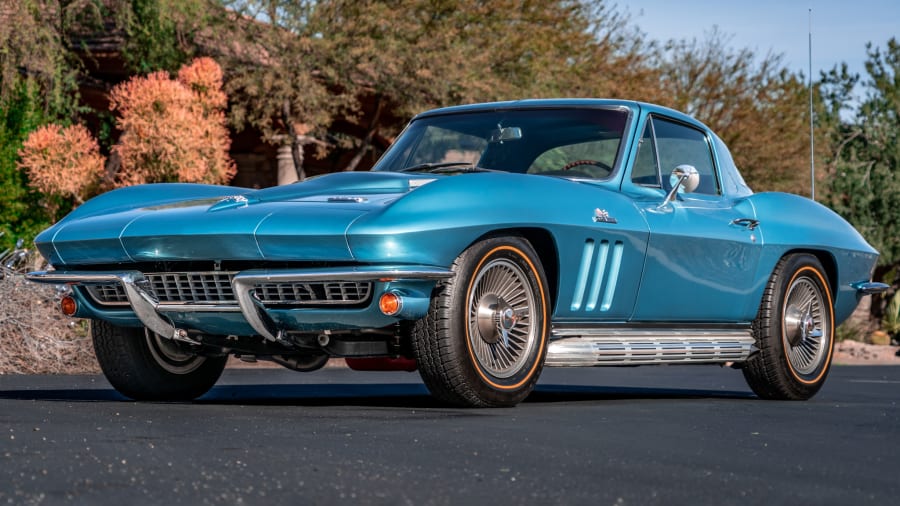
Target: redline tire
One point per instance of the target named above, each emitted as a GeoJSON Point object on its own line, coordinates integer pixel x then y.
{"type": "Point", "coordinates": [794, 331]}
{"type": "Point", "coordinates": [485, 337]}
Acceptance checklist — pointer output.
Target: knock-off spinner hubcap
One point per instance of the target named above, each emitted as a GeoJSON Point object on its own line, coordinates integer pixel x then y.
{"type": "Point", "coordinates": [804, 326]}
{"type": "Point", "coordinates": [502, 333]}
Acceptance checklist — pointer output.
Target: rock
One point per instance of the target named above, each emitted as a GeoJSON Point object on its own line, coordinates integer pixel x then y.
{"type": "Point", "coordinates": [880, 337]}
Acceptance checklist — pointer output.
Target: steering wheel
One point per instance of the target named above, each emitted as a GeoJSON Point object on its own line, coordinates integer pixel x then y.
{"type": "Point", "coordinates": [595, 163]}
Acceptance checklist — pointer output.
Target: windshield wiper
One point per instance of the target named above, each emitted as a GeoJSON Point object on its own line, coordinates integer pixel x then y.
{"type": "Point", "coordinates": [434, 167]}
{"type": "Point", "coordinates": [443, 167]}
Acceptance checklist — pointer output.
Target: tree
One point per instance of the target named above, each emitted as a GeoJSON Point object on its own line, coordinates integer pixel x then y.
{"type": "Point", "coordinates": [36, 47]}
{"type": "Point", "coordinates": [38, 84]}
{"type": "Point", "coordinates": [864, 159]}
{"type": "Point", "coordinates": [756, 106]}
{"type": "Point", "coordinates": [410, 55]}
{"type": "Point", "coordinates": [276, 75]}
{"type": "Point", "coordinates": [158, 34]}
{"type": "Point", "coordinates": [296, 66]}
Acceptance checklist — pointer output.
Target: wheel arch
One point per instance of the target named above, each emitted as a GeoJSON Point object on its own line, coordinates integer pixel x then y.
{"type": "Point", "coordinates": [829, 263]}
{"type": "Point", "coordinates": [547, 251]}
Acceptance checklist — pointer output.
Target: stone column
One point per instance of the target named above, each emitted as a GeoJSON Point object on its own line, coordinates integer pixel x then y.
{"type": "Point", "coordinates": [287, 174]}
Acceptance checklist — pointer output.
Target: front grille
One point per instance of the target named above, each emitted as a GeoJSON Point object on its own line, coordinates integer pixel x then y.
{"type": "Point", "coordinates": [214, 288]}
{"type": "Point", "coordinates": [329, 292]}
{"type": "Point", "coordinates": [108, 294]}
{"type": "Point", "coordinates": [192, 287]}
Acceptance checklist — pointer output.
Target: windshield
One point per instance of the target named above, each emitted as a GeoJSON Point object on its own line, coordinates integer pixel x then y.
{"type": "Point", "coordinates": [581, 142]}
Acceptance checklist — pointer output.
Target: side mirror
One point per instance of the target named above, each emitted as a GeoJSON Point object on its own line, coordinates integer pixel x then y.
{"type": "Point", "coordinates": [684, 177]}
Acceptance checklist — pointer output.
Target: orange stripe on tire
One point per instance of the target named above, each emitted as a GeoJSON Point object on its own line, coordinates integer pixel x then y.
{"type": "Point", "coordinates": [830, 327]}
{"type": "Point", "coordinates": [543, 318]}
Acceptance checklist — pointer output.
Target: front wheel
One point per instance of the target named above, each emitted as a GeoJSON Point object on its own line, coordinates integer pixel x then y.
{"type": "Point", "coordinates": [484, 339]}
{"type": "Point", "coordinates": [147, 367]}
{"type": "Point", "coordinates": [794, 332]}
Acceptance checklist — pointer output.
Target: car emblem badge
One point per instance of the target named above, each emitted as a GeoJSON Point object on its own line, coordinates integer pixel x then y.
{"type": "Point", "coordinates": [601, 216]}
{"type": "Point", "coordinates": [230, 202]}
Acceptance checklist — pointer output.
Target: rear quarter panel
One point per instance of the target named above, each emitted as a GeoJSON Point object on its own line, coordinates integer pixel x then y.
{"type": "Point", "coordinates": [790, 223]}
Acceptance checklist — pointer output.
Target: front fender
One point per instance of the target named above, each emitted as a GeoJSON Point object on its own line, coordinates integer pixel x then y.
{"type": "Point", "coordinates": [433, 224]}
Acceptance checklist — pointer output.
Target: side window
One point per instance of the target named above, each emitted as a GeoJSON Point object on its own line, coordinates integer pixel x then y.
{"type": "Point", "coordinates": [646, 168]}
{"type": "Point", "coordinates": [678, 144]}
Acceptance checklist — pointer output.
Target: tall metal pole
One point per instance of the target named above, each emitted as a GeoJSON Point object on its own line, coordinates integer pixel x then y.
{"type": "Point", "coordinates": [812, 156]}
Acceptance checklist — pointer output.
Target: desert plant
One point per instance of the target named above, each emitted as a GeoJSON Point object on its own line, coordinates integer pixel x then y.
{"type": "Point", "coordinates": [890, 323]}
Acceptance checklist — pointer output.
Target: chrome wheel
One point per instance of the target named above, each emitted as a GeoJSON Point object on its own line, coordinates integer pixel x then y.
{"type": "Point", "coordinates": [501, 333]}
{"type": "Point", "coordinates": [794, 331]}
{"type": "Point", "coordinates": [169, 355]}
{"type": "Point", "coordinates": [804, 326]}
{"type": "Point", "coordinates": [484, 339]}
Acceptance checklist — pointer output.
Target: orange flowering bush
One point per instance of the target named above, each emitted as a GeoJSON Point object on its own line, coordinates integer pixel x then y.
{"type": "Point", "coordinates": [173, 130]}
{"type": "Point", "coordinates": [62, 161]}
{"type": "Point", "coordinates": [204, 77]}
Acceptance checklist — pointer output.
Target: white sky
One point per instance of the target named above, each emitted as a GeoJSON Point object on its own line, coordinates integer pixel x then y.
{"type": "Point", "coordinates": [840, 28]}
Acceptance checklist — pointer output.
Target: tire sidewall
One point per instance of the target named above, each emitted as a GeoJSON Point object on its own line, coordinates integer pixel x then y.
{"type": "Point", "coordinates": [809, 268]}
{"type": "Point", "coordinates": [130, 366]}
{"type": "Point", "coordinates": [494, 390]}
{"type": "Point", "coordinates": [801, 266]}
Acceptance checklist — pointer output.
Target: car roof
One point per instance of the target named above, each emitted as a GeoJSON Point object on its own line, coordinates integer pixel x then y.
{"type": "Point", "coordinates": [733, 183]}
{"type": "Point", "coordinates": [556, 103]}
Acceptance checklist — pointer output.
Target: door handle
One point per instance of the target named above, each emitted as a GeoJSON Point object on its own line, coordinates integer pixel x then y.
{"type": "Point", "coordinates": [748, 223]}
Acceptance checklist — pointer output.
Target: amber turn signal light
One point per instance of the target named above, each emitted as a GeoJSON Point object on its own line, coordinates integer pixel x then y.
{"type": "Point", "coordinates": [390, 303]}
{"type": "Point", "coordinates": [68, 305]}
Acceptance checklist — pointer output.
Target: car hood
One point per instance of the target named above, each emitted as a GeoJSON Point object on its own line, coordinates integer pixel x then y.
{"type": "Point", "coordinates": [302, 221]}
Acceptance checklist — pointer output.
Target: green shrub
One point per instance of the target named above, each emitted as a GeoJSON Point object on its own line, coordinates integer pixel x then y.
{"type": "Point", "coordinates": [848, 331]}
{"type": "Point", "coordinates": [23, 213]}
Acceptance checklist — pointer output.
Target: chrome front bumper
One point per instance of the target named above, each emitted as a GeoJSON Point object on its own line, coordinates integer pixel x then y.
{"type": "Point", "coordinates": [870, 287]}
{"type": "Point", "coordinates": [152, 314]}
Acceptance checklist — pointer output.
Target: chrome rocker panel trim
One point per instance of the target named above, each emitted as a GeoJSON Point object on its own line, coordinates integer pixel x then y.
{"type": "Point", "coordinates": [595, 346]}
{"type": "Point", "coordinates": [151, 312]}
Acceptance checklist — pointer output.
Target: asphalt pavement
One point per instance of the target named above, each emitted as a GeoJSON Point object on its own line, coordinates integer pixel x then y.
{"type": "Point", "coordinates": [602, 436]}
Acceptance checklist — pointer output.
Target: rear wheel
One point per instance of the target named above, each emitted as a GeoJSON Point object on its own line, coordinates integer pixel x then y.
{"type": "Point", "coordinates": [794, 332]}
{"type": "Point", "coordinates": [143, 365]}
{"type": "Point", "coordinates": [484, 339]}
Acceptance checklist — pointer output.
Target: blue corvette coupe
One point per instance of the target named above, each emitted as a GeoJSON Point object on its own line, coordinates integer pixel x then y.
{"type": "Point", "coordinates": [488, 242]}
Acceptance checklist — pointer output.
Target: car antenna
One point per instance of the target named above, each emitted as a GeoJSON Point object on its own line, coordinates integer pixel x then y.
{"type": "Point", "coordinates": [812, 161]}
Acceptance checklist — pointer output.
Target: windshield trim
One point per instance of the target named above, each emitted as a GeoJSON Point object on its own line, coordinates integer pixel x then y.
{"type": "Point", "coordinates": [630, 114]}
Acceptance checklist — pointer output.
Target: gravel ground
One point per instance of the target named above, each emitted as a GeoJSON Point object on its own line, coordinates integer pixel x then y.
{"type": "Point", "coordinates": [856, 353]}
